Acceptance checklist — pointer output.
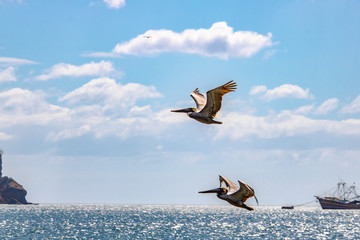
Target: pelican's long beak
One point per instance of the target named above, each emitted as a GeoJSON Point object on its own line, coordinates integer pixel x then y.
{"type": "Point", "coordinates": [215, 190]}
{"type": "Point", "coordinates": [256, 200]}
{"type": "Point", "coordinates": [185, 110]}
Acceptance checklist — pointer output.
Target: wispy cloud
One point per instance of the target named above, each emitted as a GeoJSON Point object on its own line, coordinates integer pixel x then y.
{"type": "Point", "coordinates": [103, 68]}
{"type": "Point", "coordinates": [258, 89]}
{"type": "Point", "coordinates": [111, 93]}
{"type": "Point", "coordinates": [4, 136]}
{"type": "Point", "coordinates": [21, 106]}
{"type": "Point", "coordinates": [11, 1]}
{"type": "Point", "coordinates": [109, 110]}
{"type": "Point", "coordinates": [353, 107]}
{"type": "Point", "coordinates": [269, 53]}
{"type": "Point", "coordinates": [7, 61]}
{"type": "Point", "coordinates": [103, 107]}
{"type": "Point", "coordinates": [219, 41]}
{"type": "Point", "coordinates": [284, 124]}
{"type": "Point", "coordinates": [305, 109]}
{"type": "Point", "coordinates": [283, 91]}
{"type": "Point", "coordinates": [115, 3]}
{"type": "Point", "coordinates": [327, 106]}
{"type": "Point", "coordinates": [7, 75]}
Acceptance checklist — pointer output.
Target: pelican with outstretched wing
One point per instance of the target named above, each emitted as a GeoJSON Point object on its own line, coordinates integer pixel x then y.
{"type": "Point", "coordinates": [232, 194]}
{"type": "Point", "coordinates": [206, 109]}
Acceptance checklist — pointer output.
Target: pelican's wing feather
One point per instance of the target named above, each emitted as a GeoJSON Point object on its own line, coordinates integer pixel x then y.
{"type": "Point", "coordinates": [199, 99]}
{"type": "Point", "coordinates": [244, 192]}
{"type": "Point", "coordinates": [214, 98]}
{"type": "Point", "coordinates": [232, 186]}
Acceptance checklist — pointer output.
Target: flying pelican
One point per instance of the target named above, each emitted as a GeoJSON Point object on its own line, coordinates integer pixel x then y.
{"type": "Point", "coordinates": [207, 109]}
{"type": "Point", "coordinates": [232, 194]}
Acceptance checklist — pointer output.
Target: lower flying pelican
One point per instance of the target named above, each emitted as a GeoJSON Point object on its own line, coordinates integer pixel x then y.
{"type": "Point", "coordinates": [232, 194]}
{"type": "Point", "coordinates": [207, 109]}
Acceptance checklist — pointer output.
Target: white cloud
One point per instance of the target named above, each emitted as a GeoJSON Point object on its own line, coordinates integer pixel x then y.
{"type": "Point", "coordinates": [68, 133]}
{"type": "Point", "coordinates": [165, 116]}
{"type": "Point", "coordinates": [11, 1]}
{"type": "Point", "coordinates": [327, 106]}
{"type": "Point", "coordinates": [108, 108]}
{"type": "Point", "coordinates": [218, 41]}
{"type": "Point", "coordinates": [4, 136]}
{"type": "Point", "coordinates": [102, 68]}
{"type": "Point", "coordinates": [304, 109]}
{"type": "Point", "coordinates": [140, 111]}
{"type": "Point", "coordinates": [19, 106]}
{"type": "Point", "coordinates": [240, 126]}
{"type": "Point", "coordinates": [284, 91]}
{"type": "Point", "coordinates": [353, 107]}
{"type": "Point", "coordinates": [269, 53]}
{"type": "Point", "coordinates": [6, 61]}
{"type": "Point", "coordinates": [115, 3]}
{"type": "Point", "coordinates": [100, 54]}
{"type": "Point", "coordinates": [7, 75]}
{"type": "Point", "coordinates": [107, 91]}
{"type": "Point", "coordinates": [257, 89]}
{"type": "Point", "coordinates": [159, 147]}
{"type": "Point", "coordinates": [103, 108]}
{"type": "Point", "coordinates": [100, 124]}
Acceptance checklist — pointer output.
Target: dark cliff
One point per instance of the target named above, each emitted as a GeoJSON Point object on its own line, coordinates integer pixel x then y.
{"type": "Point", "coordinates": [11, 192]}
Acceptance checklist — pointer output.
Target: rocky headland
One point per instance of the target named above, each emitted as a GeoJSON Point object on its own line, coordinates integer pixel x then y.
{"type": "Point", "coordinates": [11, 192]}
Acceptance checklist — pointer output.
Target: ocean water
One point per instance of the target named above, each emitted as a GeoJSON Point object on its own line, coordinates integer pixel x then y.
{"type": "Point", "coordinates": [174, 222]}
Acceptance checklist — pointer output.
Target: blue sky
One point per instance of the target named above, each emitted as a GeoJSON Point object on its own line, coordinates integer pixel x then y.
{"type": "Point", "coordinates": [85, 98]}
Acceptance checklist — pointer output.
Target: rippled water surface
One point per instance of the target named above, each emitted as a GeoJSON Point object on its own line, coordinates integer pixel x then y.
{"type": "Point", "coordinates": [175, 222]}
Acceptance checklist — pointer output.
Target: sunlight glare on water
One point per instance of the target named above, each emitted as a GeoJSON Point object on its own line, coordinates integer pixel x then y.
{"type": "Point", "coordinates": [174, 222]}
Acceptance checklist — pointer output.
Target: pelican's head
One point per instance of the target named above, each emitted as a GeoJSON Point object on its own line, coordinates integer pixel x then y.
{"type": "Point", "coordinates": [219, 191]}
{"type": "Point", "coordinates": [185, 110]}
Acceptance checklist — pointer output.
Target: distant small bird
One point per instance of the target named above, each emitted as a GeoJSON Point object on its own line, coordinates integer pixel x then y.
{"type": "Point", "coordinates": [146, 36]}
{"type": "Point", "coordinates": [207, 109]}
{"type": "Point", "coordinates": [232, 194]}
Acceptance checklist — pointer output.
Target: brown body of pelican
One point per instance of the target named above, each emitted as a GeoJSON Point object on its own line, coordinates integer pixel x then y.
{"type": "Point", "coordinates": [206, 110]}
{"type": "Point", "coordinates": [232, 194]}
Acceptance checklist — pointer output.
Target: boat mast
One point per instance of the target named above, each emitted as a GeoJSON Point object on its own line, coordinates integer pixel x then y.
{"type": "Point", "coordinates": [343, 192]}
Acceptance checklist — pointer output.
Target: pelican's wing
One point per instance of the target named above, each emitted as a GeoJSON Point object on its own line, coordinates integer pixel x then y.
{"type": "Point", "coordinates": [199, 99]}
{"type": "Point", "coordinates": [214, 98]}
{"type": "Point", "coordinates": [232, 186]}
{"type": "Point", "coordinates": [244, 192]}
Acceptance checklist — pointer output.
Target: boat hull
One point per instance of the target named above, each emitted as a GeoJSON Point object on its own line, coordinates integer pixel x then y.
{"type": "Point", "coordinates": [335, 204]}
{"type": "Point", "coordinates": [287, 207]}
